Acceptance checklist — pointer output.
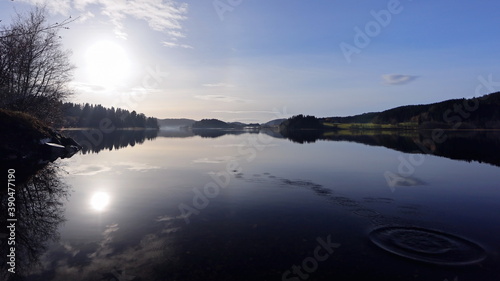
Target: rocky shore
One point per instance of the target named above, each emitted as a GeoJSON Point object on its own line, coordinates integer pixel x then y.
{"type": "Point", "coordinates": [27, 141]}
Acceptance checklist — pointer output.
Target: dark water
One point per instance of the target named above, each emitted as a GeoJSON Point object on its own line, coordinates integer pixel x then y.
{"type": "Point", "coordinates": [184, 206]}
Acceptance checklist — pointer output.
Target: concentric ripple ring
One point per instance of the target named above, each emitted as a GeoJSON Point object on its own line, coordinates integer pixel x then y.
{"type": "Point", "coordinates": [427, 245]}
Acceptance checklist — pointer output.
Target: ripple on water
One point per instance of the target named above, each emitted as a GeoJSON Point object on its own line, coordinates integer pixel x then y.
{"type": "Point", "coordinates": [427, 245]}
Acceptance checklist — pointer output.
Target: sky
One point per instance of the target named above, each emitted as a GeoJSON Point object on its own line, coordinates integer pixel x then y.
{"type": "Point", "coordinates": [255, 61]}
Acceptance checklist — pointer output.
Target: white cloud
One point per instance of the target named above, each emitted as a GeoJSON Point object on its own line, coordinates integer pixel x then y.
{"type": "Point", "coordinates": [222, 85]}
{"type": "Point", "coordinates": [176, 45]}
{"type": "Point", "coordinates": [54, 6]}
{"type": "Point", "coordinates": [138, 167]}
{"type": "Point", "coordinates": [163, 16]}
{"type": "Point", "coordinates": [85, 16]}
{"type": "Point", "coordinates": [398, 79]}
{"type": "Point", "coordinates": [213, 160]}
{"type": "Point", "coordinates": [116, 255]}
{"type": "Point", "coordinates": [165, 218]}
{"type": "Point", "coordinates": [80, 87]}
{"type": "Point", "coordinates": [92, 170]}
{"type": "Point", "coordinates": [89, 170]}
{"type": "Point", "coordinates": [222, 98]}
{"type": "Point", "coordinates": [244, 111]}
{"type": "Point", "coordinates": [174, 33]}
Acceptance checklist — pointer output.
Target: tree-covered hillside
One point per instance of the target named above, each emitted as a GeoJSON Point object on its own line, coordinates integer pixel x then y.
{"type": "Point", "coordinates": [479, 112]}
{"type": "Point", "coordinates": [91, 116]}
{"type": "Point", "coordinates": [211, 124]}
{"type": "Point", "coordinates": [301, 122]}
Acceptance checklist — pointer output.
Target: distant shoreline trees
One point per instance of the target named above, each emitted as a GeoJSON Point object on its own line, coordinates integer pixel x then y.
{"type": "Point", "coordinates": [472, 113]}
{"type": "Point", "coordinates": [211, 123]}
{"type": "Point", "coordinates": [301, 122]}
{"type": "Point", "coordinates": [91, 116]}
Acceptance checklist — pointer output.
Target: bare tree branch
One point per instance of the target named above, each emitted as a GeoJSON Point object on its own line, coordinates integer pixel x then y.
{"type": "Point", "coordinates": [58, 25]}
{"type": "Point", "coordinates": [34, 68]}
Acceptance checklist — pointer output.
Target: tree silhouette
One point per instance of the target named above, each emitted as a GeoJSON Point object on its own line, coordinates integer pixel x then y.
{"type": "Point", "coordinates": [34, 69]}
{"type": "Point", "coordinates": [39, 210]}
{"type": "Point", "coordinates": [91, 116]}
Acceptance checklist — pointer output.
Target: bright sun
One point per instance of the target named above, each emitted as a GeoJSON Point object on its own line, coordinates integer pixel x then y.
{"type": "Point", "coordinates": [99, 201]}
{"type": "Point", "coordinates": [107, 64]}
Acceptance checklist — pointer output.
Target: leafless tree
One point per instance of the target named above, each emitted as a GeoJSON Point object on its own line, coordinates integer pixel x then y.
{"type": "Point", "coordinates": [34, 68]}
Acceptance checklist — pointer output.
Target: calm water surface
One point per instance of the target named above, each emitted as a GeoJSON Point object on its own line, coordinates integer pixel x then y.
{"type": "Point", "coordinates": [252, 207]}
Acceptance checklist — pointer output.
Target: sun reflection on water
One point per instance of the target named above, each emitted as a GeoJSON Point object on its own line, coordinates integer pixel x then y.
{"type": "Point", "coordinates": [99, 201]}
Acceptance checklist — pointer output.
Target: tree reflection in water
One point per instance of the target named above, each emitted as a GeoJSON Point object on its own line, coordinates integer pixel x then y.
{"type": "Point", "coordinates": [458, 145]}
{"type": "Point", "coordinates": [94, 140]}
{"type": "Point", "coordinates": [39, 212]}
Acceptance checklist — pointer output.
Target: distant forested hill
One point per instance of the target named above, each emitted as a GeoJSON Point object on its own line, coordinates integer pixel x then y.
{"type": "Point", "coordinates": [274, 123]}
{"type": "Point", "coordinates": [481, 112]}
{"type": "Point", "coordinates": [211, 124]}
{"type": "Point", "coordinates": [182, 122]}
{"type": "Point", "coordinates": [218, 124]}
{"type": "Point", "coordinates": [91, 116]}
{"type": "Point", "coordinates": [301, 122]}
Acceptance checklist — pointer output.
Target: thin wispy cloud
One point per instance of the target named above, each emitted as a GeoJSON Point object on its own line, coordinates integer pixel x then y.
{"type": "Point", "coordinates": [222, 98]}
{"type": "Point", "coordinates": [213, 160]}
{"type": "Point", "coordinates": [114, 255]}
{"type": "Point", "coordinates": [90, 170]}
{"type": "Point", "coordinates": [176, 45]}
{"type": "Point", "coordinates": [80, 87]}
{"type": "Point", "coordinates": [244, 111]}
{"type": "Point", "coordinates": [398, 79]}
{"type": "Point", "coordinates": [85, 16]}
{"type": "Point", "coordinates": [138, 167]}
{"type": "Point", "coordinates": [162, 16]}
{"type": "Point", "coordinates": [55, 6]}
{"type": "Point", "coordinates": [218, 85]}
{"type": "Point", "coordinates": [176, 34]}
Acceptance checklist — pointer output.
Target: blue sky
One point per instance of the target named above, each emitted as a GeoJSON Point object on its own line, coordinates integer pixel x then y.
{"type": "Point", "coordinates": [242, 60]}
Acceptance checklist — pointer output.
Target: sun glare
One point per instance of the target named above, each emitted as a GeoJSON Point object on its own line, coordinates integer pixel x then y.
{"type": "Point", "coordinates": [107, 64]}
{"type": "Point", "coordinates": [99, 201]}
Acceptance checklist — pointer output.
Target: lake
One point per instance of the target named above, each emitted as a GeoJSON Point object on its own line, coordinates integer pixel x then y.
{"type": "Point", "coordinates": [257, 206]}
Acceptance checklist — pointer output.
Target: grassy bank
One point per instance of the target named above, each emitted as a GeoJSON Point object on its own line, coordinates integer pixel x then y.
{"type": "Point", "coordinates": [23, 136]}
{"type": "Point", "coordinates": [371, 126]}
{"type": "Point", "coordinates": [14, 123]}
